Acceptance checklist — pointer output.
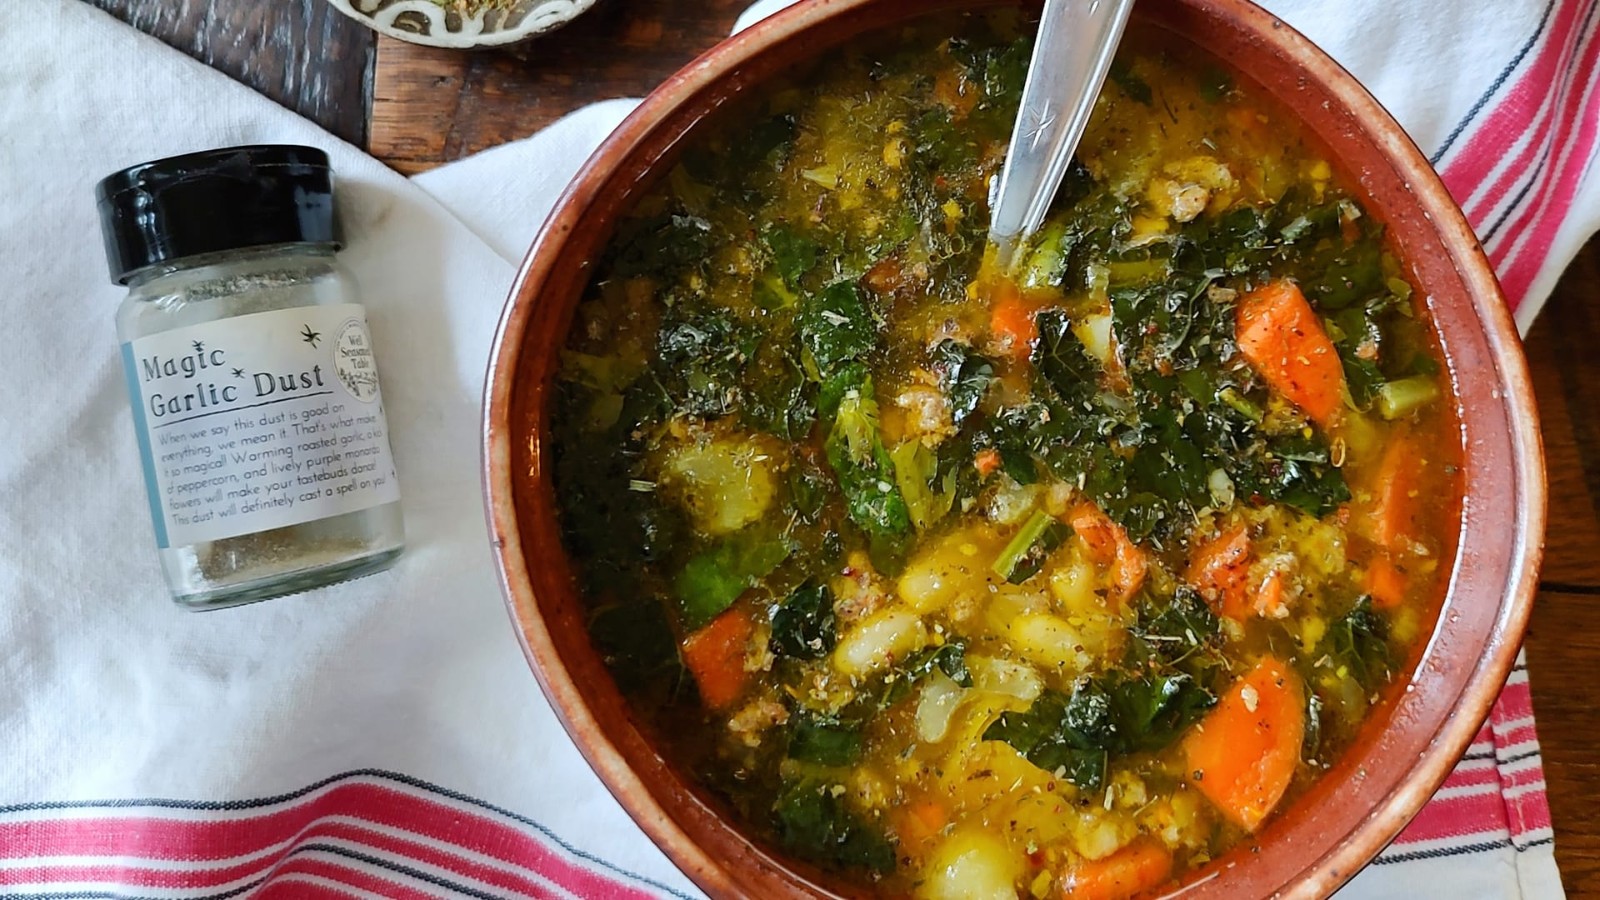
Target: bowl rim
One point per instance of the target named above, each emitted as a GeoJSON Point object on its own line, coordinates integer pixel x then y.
{"type": "Point", "coordinates": [1479, 688]}
{"type": "Point", "coordinates": [548, 15]}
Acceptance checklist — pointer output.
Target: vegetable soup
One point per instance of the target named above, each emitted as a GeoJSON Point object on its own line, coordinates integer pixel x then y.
{"type": "Point", "coordinates": [1054, 582]}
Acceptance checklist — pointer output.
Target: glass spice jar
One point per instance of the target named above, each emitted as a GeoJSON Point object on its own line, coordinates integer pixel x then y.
{"type": "Point", "coordinates": [251, 375]}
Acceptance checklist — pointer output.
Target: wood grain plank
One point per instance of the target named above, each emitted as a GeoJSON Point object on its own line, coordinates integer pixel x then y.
{"type": "Point", "coordinates": [416, 95]}
{"type": "Point", "coordinates": [1563, 648]}
{"type": "Point", "coordinates": [1565, 368]}
{"type": "Point", "coordinates": [1563, 641]}
{"type": "Point", "coordinates": [432, 106]}
{"type": "Point", "coordinates": [301, 53]}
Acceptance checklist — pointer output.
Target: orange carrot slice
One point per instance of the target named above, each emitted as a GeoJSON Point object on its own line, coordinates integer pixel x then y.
{"type": "Point", "coordinates": [1281, 336]}
{"type": "Point", "coordinates": [1110, 545]}
{"type": "Point", "coordinates": [1243, 754]}
{"type": "Point", "coordinates": [1395, 507]}
{"type": "Point", "coordinates": [1219, 570]}
{"type": "Point", "coordinates": [1013, 327]}
{"type": "Point", "coordinates": [922, 821]}
{"type": "Point", "coordinates": [1385, 582]}
{"type": "Point", "coordinates": [1141, 866]}
{"type": "Point", "coordinates": [715, 657]}
{"type": "Point", "coordinates": [986, 461]}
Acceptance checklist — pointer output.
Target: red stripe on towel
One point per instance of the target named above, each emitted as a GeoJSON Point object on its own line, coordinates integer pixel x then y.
{"type": "Point", "coordinates": [1470, 166]}
{"type": "Point", "coordinates": [372, 822]}
{"type": "Point", "coordinates": [1551, 100]}
{"type": "Point", "coordinates": [1521, 250]}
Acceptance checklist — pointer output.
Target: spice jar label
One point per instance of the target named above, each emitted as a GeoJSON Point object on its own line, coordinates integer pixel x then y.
{"type": "Point", "coordinates": [259, 422]}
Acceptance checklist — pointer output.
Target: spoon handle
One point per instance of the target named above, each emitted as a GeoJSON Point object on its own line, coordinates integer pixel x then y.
{"type": "Point", "coordinates": [1077, 39]}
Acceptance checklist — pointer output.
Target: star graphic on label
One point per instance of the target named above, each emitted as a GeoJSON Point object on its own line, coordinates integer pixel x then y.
{"type": "Point", "coordinates": [199, 347]}
{"type": "Point", "coordinates": [238, 373]}
{"type": "Point", "coordinates": [311, 337]}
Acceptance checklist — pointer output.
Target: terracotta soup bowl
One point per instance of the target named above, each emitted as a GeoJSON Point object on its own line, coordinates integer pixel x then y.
{"type": "Point", "coordinates": [1410, 739]}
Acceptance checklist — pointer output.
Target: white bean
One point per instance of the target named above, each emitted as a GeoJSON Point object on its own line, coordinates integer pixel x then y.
{"type": "Point", "coordinates": [879, 640]}
{"type": "Point", "coordinates": [940, 697]}
{"type": "Point", "coordinates": [1049, 642]}
{"type": "Point", "coordinates": [956, 563]}
{"type": "Point", "coordinates": [1005, 677]}
{"type": "Point", "coordinates": [1072, 585]}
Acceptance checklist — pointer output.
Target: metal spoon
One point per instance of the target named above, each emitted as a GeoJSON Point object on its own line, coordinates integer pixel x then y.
{"type": "Point", "coordinates": [1077, 39]}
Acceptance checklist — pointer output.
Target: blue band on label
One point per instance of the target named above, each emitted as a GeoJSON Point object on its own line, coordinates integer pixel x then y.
{"type": "Point", "coordinates": [142, 432]}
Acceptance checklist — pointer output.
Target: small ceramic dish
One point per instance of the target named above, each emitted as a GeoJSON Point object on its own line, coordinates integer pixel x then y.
{"type": "Point", "coordinates": [1421, 724]}
{"type": "Point", "coordinates": [441, 24]}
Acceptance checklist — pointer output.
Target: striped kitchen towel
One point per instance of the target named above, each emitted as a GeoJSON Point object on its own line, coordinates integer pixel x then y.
{"type": "Point", "coordinates": [384, 738]}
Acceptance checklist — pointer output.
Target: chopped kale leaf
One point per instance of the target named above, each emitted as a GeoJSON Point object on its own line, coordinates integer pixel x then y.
{"type": "Point", "coordinates": [699, 362]}
{"type": "Point", "coordinates": [836, 326]}
{"type": "Point", "coordinates": [804, 626]}
{"type": "Point", "coordinates": [1071, 735]}
{"type": "Point", "coordinates": [1161, 688]}
{"type": "Point", "coordinates": [813, 819]}
{"type": "Point", "coordinates": [666, 242]}
{"type": "Point", "coordinates": [793, 254]}
{"type": "Point", "coordinates": [1112, 714]}
{"type": "Point", "coordinates": [635, 640]}
{"type": "Point", "coordinates": [1359, 642]}
{"type": "Point", "coordinates": [825, 741]}
{"type": "Point", "coordinates": [855, 451]}
{"type": "Point", "coordinates": [949, 659]}
{"type": "Point", "coordinates": [715, 577]}
{"type": "Point", "coordinates": [779, 398]}
{"type": "Point", "coordinates": [1061, 359]}
{"type": "Point", "coordinates": [963, 375]}
{"type": "Point", "coordinates": [1178, 630]}
{"type": "Point", "coordinates": [1135, 87]}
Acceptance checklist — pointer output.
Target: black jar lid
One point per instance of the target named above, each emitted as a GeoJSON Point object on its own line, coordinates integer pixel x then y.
{"type": "Point", "coordinates": [213, 201]}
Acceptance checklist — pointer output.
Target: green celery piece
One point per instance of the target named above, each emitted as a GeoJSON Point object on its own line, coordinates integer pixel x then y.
{"type": "Point", "coordinates": [1241, 405]}
{"type": "Point", "coordinates": [1022, 557]}
{"type": "Point", "coordinates": [1043, 266]}
{"type": "Point", "coordinates": [1404, 396]}
{"type": "Point", "coordinates": [915, 469]}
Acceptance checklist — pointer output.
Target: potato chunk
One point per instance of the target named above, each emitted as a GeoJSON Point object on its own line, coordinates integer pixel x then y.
{"type": "Point", "coordinates": [971, 865]}
{"type": "Point", "coordinates": [1190, 187]}
{"type": "Point", "coordinates": [724, 482]}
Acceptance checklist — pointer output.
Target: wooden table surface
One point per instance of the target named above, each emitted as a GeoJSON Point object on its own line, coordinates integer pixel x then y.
{"type": "Point", "coordinates": [416, 108]}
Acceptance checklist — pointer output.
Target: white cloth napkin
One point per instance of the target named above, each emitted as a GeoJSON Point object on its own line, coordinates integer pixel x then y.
{"type": "Point", "coordinates": [384, 737]}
